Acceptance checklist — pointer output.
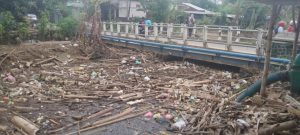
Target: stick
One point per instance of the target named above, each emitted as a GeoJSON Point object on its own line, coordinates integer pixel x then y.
{"type": "Point", "coordinates": [80, 96]}
{"type": "Point", "coordinates": [44, 61]}
{"type": "Point", "coordinates": [127, 111]}
{"type": "Point", "coordinates": [110, 122]}
{"type": "Point", "coordinates": [24, 109]}
{"type": "Point", "coordinates": [100, 113]}
{"type": "Point", "coordinates": [6, 56]}
{"type": "Point", "coordinates": [25, 125]}
{"type": "Point", "coordinates": [277, 127]}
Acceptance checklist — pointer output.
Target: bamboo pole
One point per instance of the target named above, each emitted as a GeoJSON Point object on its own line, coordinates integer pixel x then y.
{"type": "Point", "coordinates": [274, 16]}
{"type": "Point", "coordinates": [297, 30]}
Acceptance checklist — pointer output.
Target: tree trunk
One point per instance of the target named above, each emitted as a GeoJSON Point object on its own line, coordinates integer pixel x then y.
{"type": "Point", "coordinates": [268, 49]}
{"type": "Point", "coordinates": [297, 30]}
{"type": "Point", "coordinates": [129, 8]}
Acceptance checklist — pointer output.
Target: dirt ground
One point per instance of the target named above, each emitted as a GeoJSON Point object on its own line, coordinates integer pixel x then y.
{"type": "Point", "coordinates": [55, 89]}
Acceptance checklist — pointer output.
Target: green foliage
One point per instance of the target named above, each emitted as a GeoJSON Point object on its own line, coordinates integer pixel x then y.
{"type": "Point", "coordinates": [158, 10]}
{"type": "Point", "coordinates": [68, 26]}
{"type": "Point", "coordinates": [42, 26]}
{"type": "Point", "coordinates": [1, 30]}
{"type": "Point", "coordinates": [221, 20]}
{"type": "Point", "coordinates": [178, 16]}
{"type": "Point", "coordinates": [23, 30]}
{"type": "Point", "coordinates": [206, 20]}
{"type": "Point", "coordinates": [7, 22]}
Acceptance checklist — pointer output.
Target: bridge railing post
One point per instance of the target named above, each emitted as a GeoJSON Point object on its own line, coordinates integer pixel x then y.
{"type": "Point", "coordinates": [238, 38]}
{"type": "Point", "coordinates": [259, 42]}
{"type": "Point", "coordinates": [146, 31]}
{"type": "Point", "coordinates": [111, 27]}
{"type": "Point", "coordinates": [136, 32]}
{"type": "Point", "coordinates": [194, 30]}
{"type": "Point", "coordinates": [127, 29]}
{"type": "Point", "coordinates": [220, 34]}
{"type": "Point", "coordinates": [182, 28]}
{"type": "Point", "coordinates": [161, 28]}
{"type": "Point", "coordinates": [185, 34]}
{"type": "Point", "coordinates": [229, 39]}
{"type": "Point", "coordinates": [205, 28]}
{"type": "Point", "coordinates": [104, 27]}
{"type": "Point", "coordinates": [155, 29]}
{"type": "Point", "coordinates": [169, 32]}
{"type": "Point", "coordinates": [118, 28]}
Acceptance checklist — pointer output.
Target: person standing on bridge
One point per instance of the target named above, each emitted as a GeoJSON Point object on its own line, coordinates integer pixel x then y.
{"type": "Point", "coordinates": [191, 24]}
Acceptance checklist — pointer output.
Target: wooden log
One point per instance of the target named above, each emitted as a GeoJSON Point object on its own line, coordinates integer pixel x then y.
{"type": "Point", "coordinates": [277, 127]}
{"type": "Point", "coordinates": [25, 125]}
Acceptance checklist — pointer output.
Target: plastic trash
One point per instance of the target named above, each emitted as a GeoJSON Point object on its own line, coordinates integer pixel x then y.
{"type": "Point", "coordinates": [169, 116]}
{"type": "Point", "coordinates": [94, 75]}
{"type": "Point", "coordinates": [147, 79]}
{"type": "Point", "coordinates": [123, 61]}
{"type": "Point", "coordinates": [138, 62]}
{"type": "Point", "coordinates": [10, 78]}
{"type": "Point", "coordinates": [180, 123]}
{"type": "Point", "coordinates": [149, 115]}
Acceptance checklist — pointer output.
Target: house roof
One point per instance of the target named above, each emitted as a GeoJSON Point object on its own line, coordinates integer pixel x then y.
{"type": "Point", "coordinates": [197, 10]}
{"type": "Point", "coordinates": [200, 11]}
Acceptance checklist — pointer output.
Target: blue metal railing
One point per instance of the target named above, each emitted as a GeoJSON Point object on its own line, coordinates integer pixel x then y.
{"type": "Point", "coordinates": [186, 49]}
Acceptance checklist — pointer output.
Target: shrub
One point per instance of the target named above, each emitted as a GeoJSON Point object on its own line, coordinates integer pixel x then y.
{"type": "Point", "coordinates": [68, 26]}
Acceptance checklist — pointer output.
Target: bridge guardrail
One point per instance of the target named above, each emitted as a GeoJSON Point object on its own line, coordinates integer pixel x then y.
{"type": "Point", "coordinates": [229, 38]}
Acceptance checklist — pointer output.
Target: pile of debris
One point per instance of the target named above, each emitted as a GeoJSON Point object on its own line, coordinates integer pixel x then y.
{"type": "Point", "coordinates": [57, 90]}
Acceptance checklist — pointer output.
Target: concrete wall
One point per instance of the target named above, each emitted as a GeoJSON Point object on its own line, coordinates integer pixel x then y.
{"type": "Point", "coordinates": [134, 9]}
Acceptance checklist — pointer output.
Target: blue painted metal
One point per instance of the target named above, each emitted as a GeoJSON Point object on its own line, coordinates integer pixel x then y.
{"type": "Point", "coordinates": [187, 49]}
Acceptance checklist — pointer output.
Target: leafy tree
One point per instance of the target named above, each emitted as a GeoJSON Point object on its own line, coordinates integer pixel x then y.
{"type": "Point", "coordinates": [42, 26]}
{"type": "Point", "coordinates": [23, 29]}
{"type": "Point", "coordinates": [7, 21]}
{"type": "Point", "coordinates": [68, 26]}
{"type": "Point", "coordinates": [158, 10]}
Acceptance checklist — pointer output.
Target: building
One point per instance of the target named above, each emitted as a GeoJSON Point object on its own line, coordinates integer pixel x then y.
{"type": "Point", "coordinates": [197, 11]}
{"type": "Point", "coordinates": [135, 9]}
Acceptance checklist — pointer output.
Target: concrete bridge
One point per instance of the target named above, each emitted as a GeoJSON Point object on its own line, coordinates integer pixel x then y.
{"type": "Point", "coordinates": [219, 44]}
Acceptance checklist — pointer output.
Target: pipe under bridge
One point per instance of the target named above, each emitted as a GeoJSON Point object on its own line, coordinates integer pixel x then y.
{"type": "Point", "coordinates": [227, 45]}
